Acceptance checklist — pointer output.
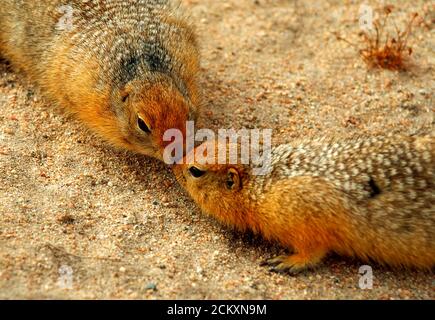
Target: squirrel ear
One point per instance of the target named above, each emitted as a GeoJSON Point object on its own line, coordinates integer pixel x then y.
{"type": "Point", "coordinates": [233, 180]}
{"type": "Point", "coordinates": [124, 96]}
{"type": "Point", "coordinates": [125, 92]}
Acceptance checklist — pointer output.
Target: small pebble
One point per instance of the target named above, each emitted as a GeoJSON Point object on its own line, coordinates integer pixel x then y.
{"type": "Point", "coordinates": [151, 286]}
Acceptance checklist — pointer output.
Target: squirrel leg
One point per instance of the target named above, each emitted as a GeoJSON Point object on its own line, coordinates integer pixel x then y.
{"type": "Point", "coordinates": [297, 262]}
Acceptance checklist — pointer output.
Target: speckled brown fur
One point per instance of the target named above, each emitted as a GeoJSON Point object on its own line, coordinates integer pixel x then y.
{"type": "Point", "coordinates": [369, 197]}
{"type": "Point", "coordinates": [115, 62]}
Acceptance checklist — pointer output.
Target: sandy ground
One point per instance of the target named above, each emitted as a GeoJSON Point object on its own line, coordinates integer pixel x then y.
{"type": "Point", "coordinates": [118, 225]}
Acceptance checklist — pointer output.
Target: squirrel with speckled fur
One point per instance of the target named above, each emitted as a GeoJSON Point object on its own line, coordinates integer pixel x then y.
{"type": "Point", "coordinates": [126, 69]}
{"type": "Point", "coordinates": [366, 197]}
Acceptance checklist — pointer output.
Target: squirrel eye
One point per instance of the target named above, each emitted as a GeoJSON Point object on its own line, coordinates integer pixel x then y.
{"type": "Point", "coordinates": [233, 180]}
{"type": "Point", "coordinates": [195, 172]}
{"type": "Point", "coordinates": [230, 184]}
{"type": "Point", "coordinates": [143, 126]}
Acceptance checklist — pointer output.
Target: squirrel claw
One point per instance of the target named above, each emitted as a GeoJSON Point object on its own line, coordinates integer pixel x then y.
{"type": "Point", "coordinates": [292, 264]}
{"type": "Point", "coordinates": [283, 268]}
{"type": "Point", "coordinates": [274, 261]}
{"type": "Point", "coordinates": [279, 265]}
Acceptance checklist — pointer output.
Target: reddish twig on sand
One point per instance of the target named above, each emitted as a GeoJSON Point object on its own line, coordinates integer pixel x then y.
{"type": "Point", "coordinates": [383, 50]}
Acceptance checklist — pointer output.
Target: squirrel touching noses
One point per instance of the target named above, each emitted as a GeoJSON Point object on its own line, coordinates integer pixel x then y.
{"type": "Point", "coordinates": [126, 69]}
{"type": "Point", "coordinates": [371, 198]}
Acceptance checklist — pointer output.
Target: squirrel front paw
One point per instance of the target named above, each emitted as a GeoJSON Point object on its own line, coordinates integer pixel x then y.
{"type": "Point", "coordinates": [295, 263]}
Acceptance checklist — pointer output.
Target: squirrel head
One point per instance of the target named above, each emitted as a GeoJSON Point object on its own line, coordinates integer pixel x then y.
{"type": "Point", "coordinates": [147, 111]}
{"type": "Point", "coordinates": [218, 188]}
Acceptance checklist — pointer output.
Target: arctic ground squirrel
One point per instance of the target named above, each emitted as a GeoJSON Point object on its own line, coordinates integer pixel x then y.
{"type": "Point", "coordinates": [366, 197]}
{"type": "Point", "coordinates": [126, 69]}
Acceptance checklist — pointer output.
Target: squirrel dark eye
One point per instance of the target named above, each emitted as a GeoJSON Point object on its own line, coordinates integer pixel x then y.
{"type": "Point", "coordinates": [195, 172]}
{"type": "Point", "coordinates": [143, 126]}
{"type": "Point", "coordinates": [233, 180]}
{"type": "Point", "coordinates": [124, 98]}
